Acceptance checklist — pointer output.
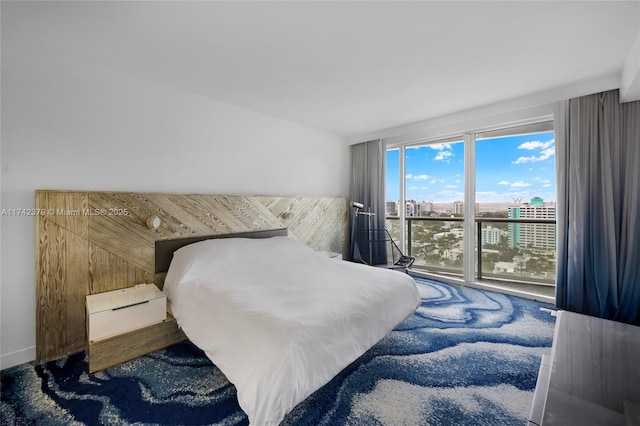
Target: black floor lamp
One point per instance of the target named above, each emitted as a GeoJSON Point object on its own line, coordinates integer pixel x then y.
{"type": "Point", "coordinates": [369, 214]}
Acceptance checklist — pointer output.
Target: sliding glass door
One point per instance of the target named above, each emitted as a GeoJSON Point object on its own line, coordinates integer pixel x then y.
{"type": "Point", "coordinates": [516, 192]}
{"type": "Point", "coordinates": [480, 206]}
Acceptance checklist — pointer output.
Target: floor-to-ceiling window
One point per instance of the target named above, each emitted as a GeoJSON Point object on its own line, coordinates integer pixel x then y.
{"type": "Point", "coordinates": [479, 206]}
{"type": "Point", "coordinates": [433, 175]}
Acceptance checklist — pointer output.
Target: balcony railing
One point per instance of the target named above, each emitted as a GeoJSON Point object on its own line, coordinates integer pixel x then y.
{"type": "Point", "coordinates": [520, 250]}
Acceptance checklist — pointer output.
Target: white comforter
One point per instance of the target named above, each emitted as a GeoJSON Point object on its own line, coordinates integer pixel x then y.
{"type": "Point", "coordinates": [278, 319]}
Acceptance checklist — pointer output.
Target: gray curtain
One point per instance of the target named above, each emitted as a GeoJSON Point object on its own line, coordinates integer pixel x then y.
{"type": "Point", "coordinates": [598, 173]}
{"type": "Point", "coordinates": [367, 187]}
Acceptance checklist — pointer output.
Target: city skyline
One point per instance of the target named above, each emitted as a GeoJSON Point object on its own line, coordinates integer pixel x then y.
{"type": "Point", "coordinates": [420, 208]}
{"type": "Point", "coordinates": [507, 168]}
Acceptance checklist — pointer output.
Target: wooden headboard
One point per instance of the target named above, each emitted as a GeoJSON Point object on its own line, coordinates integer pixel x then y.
{"type": "Point", "coordinates": [91, 242]}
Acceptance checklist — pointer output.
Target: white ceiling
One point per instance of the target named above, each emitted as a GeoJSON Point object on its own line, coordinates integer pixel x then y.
{"type": "Point", "coordinates": [347, 68]}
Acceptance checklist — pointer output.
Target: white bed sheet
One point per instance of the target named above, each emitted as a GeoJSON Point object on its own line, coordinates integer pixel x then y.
{"type": "Point", "coordinates": [278, 319]}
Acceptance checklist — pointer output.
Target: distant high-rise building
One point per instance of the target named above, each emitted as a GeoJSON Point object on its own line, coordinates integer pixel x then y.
{"type": "Point", "coordinates": [413, 208]}
{"type": "Point", "coordinates": [533, 235]}
{"type": "Point", "coordinates": [426, 207]}
{"type": "Point", "coordinates": [458, 207]}
{"type": "Point", "coordinates": [391, 208]}
{"type": "Point", "coordinates": [490, 235]}
{"type": "Point", "coordinates": [410, 208]}
{"type": "Point", "coordinates": [416, 209]}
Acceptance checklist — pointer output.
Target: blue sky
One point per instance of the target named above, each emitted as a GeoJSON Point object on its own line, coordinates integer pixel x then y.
{"type": "Point", "coordinates": [506, 168]}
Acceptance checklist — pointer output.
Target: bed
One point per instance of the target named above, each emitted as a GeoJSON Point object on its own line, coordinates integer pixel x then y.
{"type": "Point", "coordinates": [279, 319]}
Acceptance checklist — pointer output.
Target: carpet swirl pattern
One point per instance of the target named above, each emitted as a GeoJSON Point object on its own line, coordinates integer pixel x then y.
{"type": "Point", "coordinates": [466, 357]}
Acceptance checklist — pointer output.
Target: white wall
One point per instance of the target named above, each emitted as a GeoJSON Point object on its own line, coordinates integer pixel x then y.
{"type": "Point", "coordinates": [68, 125]}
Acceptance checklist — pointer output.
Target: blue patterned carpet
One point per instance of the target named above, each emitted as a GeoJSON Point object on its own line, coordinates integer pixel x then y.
{"type": "Point", "coordinates": [467, 357]}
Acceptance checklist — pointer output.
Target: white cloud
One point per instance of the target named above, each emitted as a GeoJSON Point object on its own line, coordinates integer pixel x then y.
{"type": "Point", "coordinates": [531, 145]}
{"type": "Point", "coordinates": [417, 177]}
{"type": "Point", "coordinates": [440, 146]}
{"type": "Point", "coordinates": [443, 155]}
{"type": "Point", "coordinates": [519, 184]}
{"type": "Point", "coordinates": [451, 186]}
{"type": "Point", "coordinates": [544, 155]}
{"type": "Point", "coordinates": [547, 151]}
{"type": "Point", "coordinates": [521, 160]}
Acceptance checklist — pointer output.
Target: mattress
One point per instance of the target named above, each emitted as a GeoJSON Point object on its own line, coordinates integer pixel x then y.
{"type": "Point", "coordinates": [279, 319]}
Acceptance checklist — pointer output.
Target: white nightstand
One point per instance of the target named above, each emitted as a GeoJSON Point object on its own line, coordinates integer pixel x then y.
{"type": "Point", "coordinates": [116, 312]}
{"type": "Point", "coordinates": [127, 323]}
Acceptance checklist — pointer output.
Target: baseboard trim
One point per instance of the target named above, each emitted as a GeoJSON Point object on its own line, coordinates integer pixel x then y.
{"type": "Point", "coordinates": [484, 286]}
{"type": "Point", "coordinates": [22, 356]}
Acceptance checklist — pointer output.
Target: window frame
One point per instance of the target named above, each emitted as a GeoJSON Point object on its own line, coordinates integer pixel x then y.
{"type": "Point", "coordinates": [537, 124]}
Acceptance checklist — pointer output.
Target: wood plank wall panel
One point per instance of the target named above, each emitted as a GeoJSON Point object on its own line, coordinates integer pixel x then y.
{"type": "Point", "coordinates": [312, 220]}
{"type": "Point", "coordinates": [62, 283]}
{"type": "Point", "coordinates": [77, 287]}
{"type": "Point", "coordinates": [66, 209]}
{"type": "Point", "coordinates": [208, 212]}
{"type": "Point", "coordinates": [115, 231]}
{"type": "Point", "coordinates": [50, 298]}
{"type": "Point", "coordinates": [89, 247]}
{"type": "Point", "coordinates": [110, 272]}
{"type": "Point", "coordinates": [169, 208]}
